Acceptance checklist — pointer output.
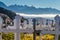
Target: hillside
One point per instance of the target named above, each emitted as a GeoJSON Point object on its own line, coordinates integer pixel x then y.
{"type": "Point", "coordinates": [7, 12]}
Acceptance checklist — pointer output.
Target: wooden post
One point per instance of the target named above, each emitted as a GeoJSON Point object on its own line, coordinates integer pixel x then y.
{"type": "Point", "coordinates": [17, 34]}
{"type": "Point", "coordinates": [40, 36]}
{"type": "Point", "coordinates": [1, 22]}
{"type": "Point", "coordinates": [34, 27]}
{"type": "Point", "coordinates": [57, 18]}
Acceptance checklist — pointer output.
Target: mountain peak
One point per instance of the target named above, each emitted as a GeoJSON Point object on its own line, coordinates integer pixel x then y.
{"type": "Point", "coordinates": [2, 4]}
{"type": "Point", "coordinates": [30, 9]}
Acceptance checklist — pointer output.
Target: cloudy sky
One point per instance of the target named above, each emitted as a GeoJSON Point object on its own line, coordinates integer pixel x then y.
{"type": "Point", "coordinates": [37, 3]}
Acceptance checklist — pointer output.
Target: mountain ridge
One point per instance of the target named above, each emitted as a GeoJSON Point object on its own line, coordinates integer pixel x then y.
{"type": "Point", "coordinates": [30, 9]}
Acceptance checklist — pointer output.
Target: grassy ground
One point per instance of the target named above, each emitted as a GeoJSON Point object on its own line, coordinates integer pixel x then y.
{"type": "Point", "coordinates": [10, 36]}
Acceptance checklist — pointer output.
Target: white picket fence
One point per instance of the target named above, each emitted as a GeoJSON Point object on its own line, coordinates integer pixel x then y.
{"type": "Point", "coordinates": [17, 31]}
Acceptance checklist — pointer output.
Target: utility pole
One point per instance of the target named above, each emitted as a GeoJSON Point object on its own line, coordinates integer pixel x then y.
{"type": "Point", "coordinates": [34, 28]}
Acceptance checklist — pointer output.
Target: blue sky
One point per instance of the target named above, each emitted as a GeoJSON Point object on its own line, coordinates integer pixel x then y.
{"type": "Point", "coordinates": [37, 3]}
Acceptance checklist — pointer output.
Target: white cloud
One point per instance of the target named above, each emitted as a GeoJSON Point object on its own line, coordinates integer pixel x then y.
{"type": "Point", "coordinates": [38, 15]}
